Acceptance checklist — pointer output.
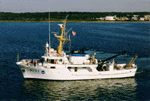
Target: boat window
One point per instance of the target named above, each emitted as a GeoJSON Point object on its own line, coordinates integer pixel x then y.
{"type": "Point", "coordinates": [60, 60]}
{"type": "Point", "coordinates": [52, 67]}
{"type": "Point", "coordinates": [75, 69]}
{"type": "Point", "coordinates": [50, 60]}
{"type": "Point", "coordinates": [69, 67]}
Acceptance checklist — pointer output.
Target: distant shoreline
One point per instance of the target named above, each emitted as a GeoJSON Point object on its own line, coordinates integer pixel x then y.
{"type": "Point", "coordinates": [75, 16]}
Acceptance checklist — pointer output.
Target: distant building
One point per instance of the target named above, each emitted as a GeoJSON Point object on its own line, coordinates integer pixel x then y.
{"type": "Point", "coordinates": [101, 18]}
{"type": "Point", "coordinates": [110, 18]}
{"type": "Point", "coordinates": [135, 15]}
{"type": "Point", "coordinates": [147, 17]}
{"type": "Point", "coordinates": [142, 18]}
{"type": "Point", "coordinates": [134, 18]}
{"type": "Point", "coordinates": [124, 18]}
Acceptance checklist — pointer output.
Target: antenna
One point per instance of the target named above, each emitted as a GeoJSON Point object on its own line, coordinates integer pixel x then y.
{"type": "Point", "coordinates": [66, 17]}
{"type": "Point", "coordinates": [65, 23]}
{"type": "Point", "coordinates": [69, 45]}
{"type": "Point", "coordinates": [49, 31]}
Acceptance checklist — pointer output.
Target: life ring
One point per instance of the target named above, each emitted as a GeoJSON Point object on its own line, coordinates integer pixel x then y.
{"type": "Point", "coordinates": [27, 60]}
{"type": "Point", "coordinates": [58, 54]}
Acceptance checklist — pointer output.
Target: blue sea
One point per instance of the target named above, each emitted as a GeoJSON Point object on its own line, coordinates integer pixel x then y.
{"type": "Point", "coordinates": [105, 39]}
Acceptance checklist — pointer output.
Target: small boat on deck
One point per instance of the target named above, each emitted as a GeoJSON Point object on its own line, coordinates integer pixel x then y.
{"type": "Point", "coordinates": [57, 65]}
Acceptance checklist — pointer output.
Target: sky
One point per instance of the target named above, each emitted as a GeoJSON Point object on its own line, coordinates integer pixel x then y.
{"type": "Point", "coordinates": [74, 5]}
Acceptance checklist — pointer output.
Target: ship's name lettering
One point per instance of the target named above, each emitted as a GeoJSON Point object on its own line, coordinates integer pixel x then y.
{"type": "Point", "coordinates": [34, 70]}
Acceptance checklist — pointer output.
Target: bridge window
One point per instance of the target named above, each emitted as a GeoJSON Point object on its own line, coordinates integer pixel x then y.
{"type": "Point", "coordinates": [50, 60]}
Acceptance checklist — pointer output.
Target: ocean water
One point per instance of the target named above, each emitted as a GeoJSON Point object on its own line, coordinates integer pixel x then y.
{"type": "Point", "coordinates": [106, 39]}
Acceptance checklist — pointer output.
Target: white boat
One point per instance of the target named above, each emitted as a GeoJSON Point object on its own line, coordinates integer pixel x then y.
{"type": "Point", "coordinates": [57, 65]}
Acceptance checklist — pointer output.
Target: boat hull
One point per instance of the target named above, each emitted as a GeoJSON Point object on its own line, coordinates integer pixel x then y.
{"type": "Point", "coordinates": [65, 74]}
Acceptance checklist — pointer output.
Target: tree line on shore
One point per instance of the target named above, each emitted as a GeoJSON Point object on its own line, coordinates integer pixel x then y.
{"type": "Point", "coordinates": [57, 16]}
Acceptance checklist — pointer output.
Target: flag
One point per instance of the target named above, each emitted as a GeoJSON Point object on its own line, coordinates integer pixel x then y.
{"type": "Point", "coordinates": [73, 33]}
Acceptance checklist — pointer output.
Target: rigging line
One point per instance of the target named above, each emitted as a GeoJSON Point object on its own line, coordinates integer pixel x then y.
{"type": "Point", "coordinates": [49, 31]}
{"type": "Point", "coordinates": [69, 44]}
{"type": "Point", "coordinates": [67, 32]}
{"type": "Point", "coordinates": [65, 25]}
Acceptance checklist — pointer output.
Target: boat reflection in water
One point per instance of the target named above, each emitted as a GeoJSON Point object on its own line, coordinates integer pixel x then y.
{"type": "Point", "coordinates": [117, 89]}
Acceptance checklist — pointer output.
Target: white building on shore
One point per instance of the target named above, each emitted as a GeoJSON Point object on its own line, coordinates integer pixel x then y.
{"type": "Point", "coordinates": [111, 18]}
{"type": "Point", "coordinates": [142, 18]}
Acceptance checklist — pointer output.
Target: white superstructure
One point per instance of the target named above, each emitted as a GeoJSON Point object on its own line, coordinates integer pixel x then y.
{"type": "Point", "coordinates": [57, 65]}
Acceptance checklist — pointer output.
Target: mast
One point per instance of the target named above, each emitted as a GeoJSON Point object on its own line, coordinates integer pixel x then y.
{"type": "Point", "coordinates": [60, 47]}
{"type": "Point", "coordinates": [61, 37]}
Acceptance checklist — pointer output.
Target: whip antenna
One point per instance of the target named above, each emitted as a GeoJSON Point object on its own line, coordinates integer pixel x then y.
{"type": "Point", "coordinates": [49, 31]}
